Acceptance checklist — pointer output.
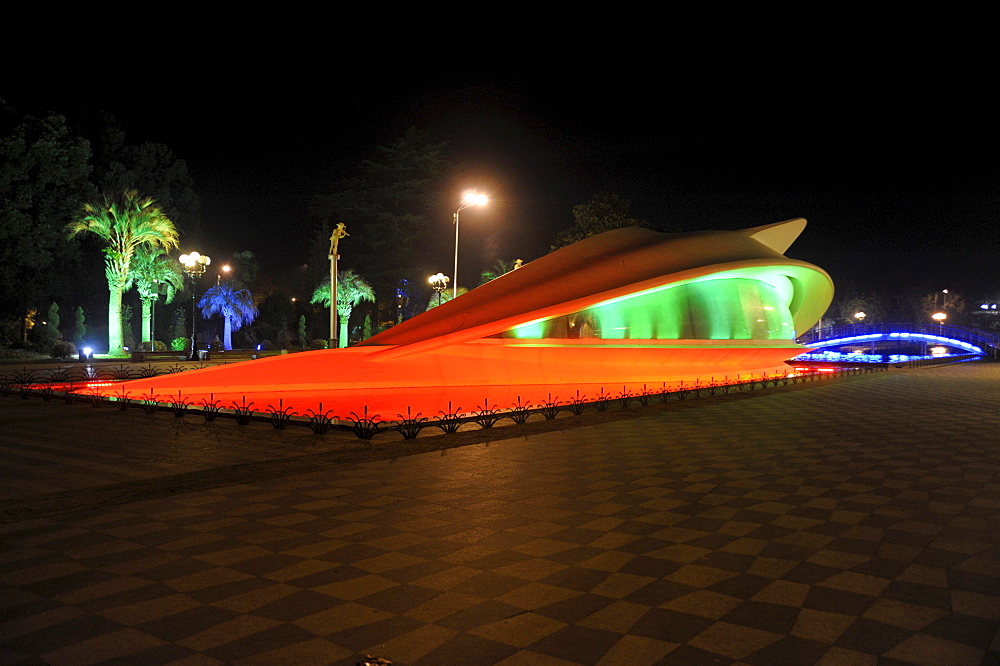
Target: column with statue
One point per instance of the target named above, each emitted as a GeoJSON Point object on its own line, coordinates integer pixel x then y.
{"type": "Point", "coordinates": [338, 232]}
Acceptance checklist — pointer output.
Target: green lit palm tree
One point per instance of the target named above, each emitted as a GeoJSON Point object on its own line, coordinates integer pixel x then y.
{"type": "Point", "coordinates": [501, 267]}
{"type": "Point", "coordinates": [152, 271]}
{"type": "Point", "coordinates": [235, 305]}
{"type": "Point", "coordinates": [125, 223]}
{"type": "Point", "coordinates": [351, 290]}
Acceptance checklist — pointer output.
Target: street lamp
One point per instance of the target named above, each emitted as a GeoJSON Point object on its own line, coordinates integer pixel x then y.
{"type": "Point", "coordinates": [468, 199]}
{"type": "Point", "coordinates": [439, 283]}
{"type": "Point", "coordinates": [860, 316]}
{"type": "Point", "coordinates": [225, 269]}
{"type": "Point", "coordinates": [194, 265]}
{"type": "Point", "coordinates": [939, 317]}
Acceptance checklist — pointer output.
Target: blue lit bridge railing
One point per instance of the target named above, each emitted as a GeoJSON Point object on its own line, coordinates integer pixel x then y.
{"type": "Point", "coordinates": [988, 342]}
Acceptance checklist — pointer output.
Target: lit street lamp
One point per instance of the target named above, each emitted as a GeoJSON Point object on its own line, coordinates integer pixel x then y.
{"type": "Point", "coordinates": [194, 265]}
{"type": "Point", "coordinates": [439, 283]}
{"type": "Point", "coordinates": [469, 199]}
{"type": "Point", "coordinates": [939, 317]}
{"type": "Point", "coordinates": [860, 316]}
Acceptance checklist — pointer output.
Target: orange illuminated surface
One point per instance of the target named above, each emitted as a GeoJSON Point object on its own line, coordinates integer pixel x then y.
{"type": "Point", "coordinates": [628, 310]}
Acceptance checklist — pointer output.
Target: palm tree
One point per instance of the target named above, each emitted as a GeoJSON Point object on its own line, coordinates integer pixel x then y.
{"type": "Point", "coordinates": [501, 267]}
{"type": "Point", "coordinates": [351, 290]}
{"type": "Point", "coordinates": [153, 267]}
{"type": "Point", "coordinates": [235, 305]}
{"type": "Point", "coordinates": [125, 223]}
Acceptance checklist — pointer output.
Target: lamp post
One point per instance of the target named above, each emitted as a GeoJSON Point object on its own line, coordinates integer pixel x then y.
{"type": "Point", "coordinates": [468, 199]}
{"type": "Point", "coordinates": [218, 278]}
{"type": "Point", "coordinates": [939, 317]}
{"type": "Point", "coordinates": [439, 283]}
{"type": "Point", "coordinates": [860, 316]}
{"type": "Point", "coordinates": [194, 265]}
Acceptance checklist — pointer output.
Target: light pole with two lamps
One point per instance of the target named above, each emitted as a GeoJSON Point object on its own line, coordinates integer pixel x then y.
{"type": "Point", "coordinates": [468, 199]}
{"type": "Point", "coordinates": [195, 266]}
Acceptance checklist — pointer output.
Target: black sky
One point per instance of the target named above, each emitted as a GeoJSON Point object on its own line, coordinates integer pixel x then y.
{"type": "Point", "coordinates": [897, 171]}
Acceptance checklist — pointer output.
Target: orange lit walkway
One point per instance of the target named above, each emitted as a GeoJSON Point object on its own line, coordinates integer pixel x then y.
{"type": "Point", "coordinates": [835, 522]}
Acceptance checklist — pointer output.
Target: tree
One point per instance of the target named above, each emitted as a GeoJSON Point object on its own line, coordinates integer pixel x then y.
{"type": "Point", "coordinates": [387, 208]}
{"type": "Point", "coordinates": [45, 331]}
{"type": "Point", "coordinates": [128, 333]}
{"type": "Point", "coordinates": [603, 212]}
{"type": "Point", "coordinates": [44, 179]}
{"type": "Point", "coordinates": [946, 301]}
{"type": "Point", "coordinates": [124, 223]}
{"type": "Point", "coordinates": [871, 305]}
{"type": "Point", "coordinates": [150, 168]}
{"type": "Point", "coordinates": [501, 267]}
{"type": "Point", "coordinates": [442, 298]}
{"type": "Point", "coordinates": [303, 338]}
{"type": "Point", "coordinates": [154, 271]}
{"type": "Point", "coordinates": [235, 305]}
{"type": "Point", "coordinates": [246, 269]}
{"type": "Point", "coordinates": [351, 290]}
{"type": "Point", "coordinates": [79, 327]}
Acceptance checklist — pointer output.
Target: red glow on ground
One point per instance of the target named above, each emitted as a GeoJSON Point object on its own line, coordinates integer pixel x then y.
{"type": "Point", "coordinates": [466, 376]}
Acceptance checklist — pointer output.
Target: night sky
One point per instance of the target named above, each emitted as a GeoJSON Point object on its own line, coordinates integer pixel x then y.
{"type": "Point", "coordinates": [897, 172]}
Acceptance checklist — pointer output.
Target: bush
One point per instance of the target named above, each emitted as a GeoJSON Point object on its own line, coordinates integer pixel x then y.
{"type": "Point", "coordinates": [64, 349]}
{"type": "Point", "coordinates": [318, 344]}
{"type": "Point", "coordinates": [266, 345]}
{"type": "Point", "coordinates": [18, 353]}
{"type": "Point", "coordinates": [179, 344]}
{"type": "Point", "coordinates": [155, 345]}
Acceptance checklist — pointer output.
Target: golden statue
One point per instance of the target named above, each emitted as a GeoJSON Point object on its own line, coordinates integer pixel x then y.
{"type": "Point", "coordinates": [338, 233]}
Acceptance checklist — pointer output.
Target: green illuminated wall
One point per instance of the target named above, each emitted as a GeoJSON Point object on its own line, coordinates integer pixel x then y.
{"type": "Point", "coordinates": [711, 308]}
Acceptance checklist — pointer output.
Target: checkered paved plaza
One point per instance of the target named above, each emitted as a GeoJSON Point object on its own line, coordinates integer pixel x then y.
{"type": "Point", "coordinates": [848, 521]}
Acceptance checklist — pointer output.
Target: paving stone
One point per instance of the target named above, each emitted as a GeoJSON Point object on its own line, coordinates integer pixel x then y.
{"type": "Point", "coordinates": [704, 532]}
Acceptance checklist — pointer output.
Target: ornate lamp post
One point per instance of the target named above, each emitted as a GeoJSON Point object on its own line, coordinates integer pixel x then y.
{"type": "Point", "coordinates": [439, 283]}
{"type": "Point", "coordinates": [194, 265]}
{"type": "Point", "coordinates": [468, 199]}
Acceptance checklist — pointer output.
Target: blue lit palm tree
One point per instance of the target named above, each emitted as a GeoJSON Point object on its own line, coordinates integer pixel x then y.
{"type": "Point", "coordinates": [351, 290]}
{"type": "Point", "coordinates": [235, 305]}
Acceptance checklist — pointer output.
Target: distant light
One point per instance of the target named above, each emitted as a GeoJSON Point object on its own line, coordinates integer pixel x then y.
{"type": "Point", "coordinates": [87, 351]}
{"type": "Point", "coordinates": [938, 351]}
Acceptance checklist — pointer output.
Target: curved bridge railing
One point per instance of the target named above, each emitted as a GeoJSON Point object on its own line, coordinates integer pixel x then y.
{"type": "Point", "coordinates": [988, 342]}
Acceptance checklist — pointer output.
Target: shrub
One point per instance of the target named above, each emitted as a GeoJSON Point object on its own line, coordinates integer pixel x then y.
{"type": "Point", "coordinates": [179, 344]}
{"type": "Point", "coordinates": [155, 345]}
{"type": "Point", "coordinates": [318, 344]}
{"type": "Point", "coordinates": [266, 345]}
{"type": "Point", "coordinates": [64, 349]}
